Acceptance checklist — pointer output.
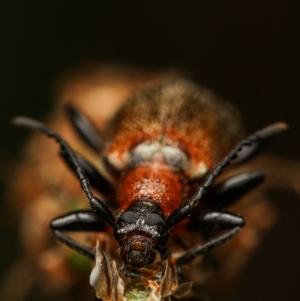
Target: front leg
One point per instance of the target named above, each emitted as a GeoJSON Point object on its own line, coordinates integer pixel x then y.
{"type": "Point", "coordinates": [77, 221]}
{"type": "Point", "coordinates": [219, 220]}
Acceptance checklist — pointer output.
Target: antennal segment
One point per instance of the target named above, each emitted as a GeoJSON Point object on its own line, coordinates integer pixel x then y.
{"type": "Point", "coordinates": [98, 206]}
{"type": "Point", "coordinates": [255, 138]}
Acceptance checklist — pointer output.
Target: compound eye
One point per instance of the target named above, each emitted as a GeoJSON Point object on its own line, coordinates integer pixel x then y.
{"type": "Point", "coordinates": [154, 219]}
{"type": "Point", "coordinates": [128, 217]}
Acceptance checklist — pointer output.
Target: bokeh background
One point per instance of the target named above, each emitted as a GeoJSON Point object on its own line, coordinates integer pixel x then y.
{"type": "Point", "coordinates": [248, 51]}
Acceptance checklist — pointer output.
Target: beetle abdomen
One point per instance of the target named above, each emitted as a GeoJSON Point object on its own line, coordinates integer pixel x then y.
{"type": "Point", "coordinates": [177, 114]}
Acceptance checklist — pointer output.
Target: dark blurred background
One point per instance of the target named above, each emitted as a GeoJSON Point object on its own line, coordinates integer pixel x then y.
{"type": "Point", "coordinates": [248, 51]}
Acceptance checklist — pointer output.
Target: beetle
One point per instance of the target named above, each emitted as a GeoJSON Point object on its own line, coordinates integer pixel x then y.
{"type": "Point", "coordinates": [164, 148]}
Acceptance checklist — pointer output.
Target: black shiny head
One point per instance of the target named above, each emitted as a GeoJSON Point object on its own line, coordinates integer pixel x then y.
{"type": "Point", "coordinates": [139, 227]}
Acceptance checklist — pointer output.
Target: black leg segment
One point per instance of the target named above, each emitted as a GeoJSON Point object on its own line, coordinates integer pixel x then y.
{"type": "Point", "coordinates": [200, 250]}
{"type": "Point", "coordinates": [85, 129]}
{"type": "Point", "coordinates": [75, 245]}
{"type": "Point", "coordinates": [233, 188]}
{"type": "Point", "coordinates": [80, 220]}
{"type": "Point", "coordinates": [77, 221]}
{"type": "Point", "coordinates": [218, 220]}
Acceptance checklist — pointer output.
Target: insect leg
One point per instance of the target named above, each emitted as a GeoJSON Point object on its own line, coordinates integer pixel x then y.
{"type": "Point", "coordinates": [80, 220]}
{"type": "Point", "coordinates": [233, 188]}
{"type": "Point", "coordinates": [75, 245]}
{"type": "Point", "coordinates": [96, 179]}
{"type": "Point", "coordinates": [98, 206]}
{"type": "Point", "coordinates": [220, 220]}
{"type": "Point", "coordinates": [253, 139]}
{"type": "Point", "coordinates": [85, 129]}
{"type": "Point", "coordinates": [77, 221]}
